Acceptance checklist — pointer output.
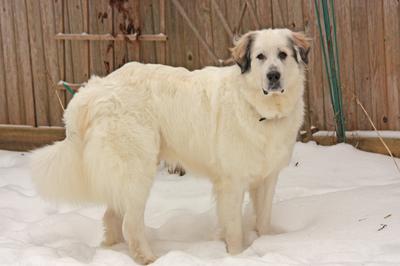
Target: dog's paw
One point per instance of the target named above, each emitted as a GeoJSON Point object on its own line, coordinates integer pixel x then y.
{"type": "Point", "coordinates": [144, 260]}
{"type": "Point", "coordinates": [271, 230]}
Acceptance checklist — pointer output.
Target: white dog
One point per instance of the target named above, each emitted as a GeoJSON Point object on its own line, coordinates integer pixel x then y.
{"type": "Point", "coordinates": [235, 124]}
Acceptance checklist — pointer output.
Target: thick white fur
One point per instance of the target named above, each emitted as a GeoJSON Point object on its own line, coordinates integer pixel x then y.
{"type": "Point", "coordinates": [119, 127]}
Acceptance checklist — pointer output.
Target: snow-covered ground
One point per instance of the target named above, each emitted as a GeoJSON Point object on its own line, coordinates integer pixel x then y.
{"type": "Point", "coordinates": [333, 206]}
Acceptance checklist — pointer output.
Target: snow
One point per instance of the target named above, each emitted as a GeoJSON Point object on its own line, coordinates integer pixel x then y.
{"type": "Point", "coordinates": [334, 206]}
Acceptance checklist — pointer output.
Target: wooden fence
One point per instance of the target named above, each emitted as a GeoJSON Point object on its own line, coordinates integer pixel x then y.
{"type": "Point", "coordinates": [190, 33]}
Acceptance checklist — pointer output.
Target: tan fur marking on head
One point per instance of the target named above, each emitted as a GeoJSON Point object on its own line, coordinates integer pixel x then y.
{"type": "Point", "coordinates": [301, 40]}
{"type": "Point", "coordinates": [240, 49]}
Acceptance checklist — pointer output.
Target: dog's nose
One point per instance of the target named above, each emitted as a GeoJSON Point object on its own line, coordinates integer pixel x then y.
{"type": "Point", "coordinates": [273, 76]}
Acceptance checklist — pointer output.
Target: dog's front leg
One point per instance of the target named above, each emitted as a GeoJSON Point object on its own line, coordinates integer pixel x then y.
{"type": "Point", "coordinates": [229, 207]}
{"type": "Point", "coordinates": [112, 227]}
{"type": "Point", "coordinates": [262, 197]}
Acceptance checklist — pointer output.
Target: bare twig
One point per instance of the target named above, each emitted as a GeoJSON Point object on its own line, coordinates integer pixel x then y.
{"type": "Point", "coordinates": [54, 87]}
{"type": "Point", "coordinates": [377, 132]}
{"type": "Point", "coordinates": [382, 227]}
{"type": "Point", "coordinates": [387, 216]}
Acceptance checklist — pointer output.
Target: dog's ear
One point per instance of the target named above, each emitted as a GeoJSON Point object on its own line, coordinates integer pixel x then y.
{"type": "Point", "coordinates": [241, 52]}
{"type": "Point", "coordinates": [302, 43]}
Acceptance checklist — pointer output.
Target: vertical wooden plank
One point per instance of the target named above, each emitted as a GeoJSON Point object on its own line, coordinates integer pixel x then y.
{"type": "Point", "coordinates": [76, 53]}
{"type": "Point", "coordinates": [134, 13]}
{"type": "Point", "coordinates": [314, 74]}
{"type": "Point", "coordinates": [295, 15]}
{"type": "Point", "coordinates": [221, 40]}
{"type": "Point", "coordinates": [51, 61]}
{"type": "Point", "coordinates": [376, 56]}
{"type": "Point", "coordinates": [68, 62]}
{"type": "Point", "coordinates": [24, 74]}
{"type": "Point", "coordinates": [247, 23]}
{"type": "Point", "coordinates": [191, 43]}
{"type": "Point", "coordinates": [361, 62]}
{"type": "Point", "coordinates": [173, 20]}
{"type": "Point", "coordinates": [306, 28]}
{"type": "Point", "coordinates": [264, 13]}
{"type": "Point", "coordinates": [344, 41]}
{"type": "Point", "coordinates": [10, 62]}
{"type": "Point", "coordinates": [391, 9]}
{"type": "Point", "coordinates": [155, 29]}
{"type": "Point", "coordinates": [101, 52]}
{"type": "Point", "coordinates": [162, 47]}
{"type": "Point", "coordinates": [122, 24]}
{"type": "Point", "coordinates": [38, 63]}
{"type": "Point", "coordinates": [203, 14]}
{"type": "Point", "coordinates": [233, 8]}
{"type": "Point", "coordinates": [59, 15]}
{"type": "Point", "coordinates": [279, 13]}
{"type": "Point", "coordinates": [3, 89]}
{"type": "Point", "coordinates": [147, 50]}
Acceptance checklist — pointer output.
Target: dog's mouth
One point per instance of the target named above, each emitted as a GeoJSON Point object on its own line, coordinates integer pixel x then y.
{"type": "Point", "coordinates": [273, 88]}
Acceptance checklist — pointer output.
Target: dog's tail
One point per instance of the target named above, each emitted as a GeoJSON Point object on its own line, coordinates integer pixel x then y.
{"type": "Point", "coordinates": [57, 172]}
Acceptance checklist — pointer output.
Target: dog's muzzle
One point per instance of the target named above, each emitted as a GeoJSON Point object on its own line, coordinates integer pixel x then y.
{"type": "Point", "coordinates": [274, 83]}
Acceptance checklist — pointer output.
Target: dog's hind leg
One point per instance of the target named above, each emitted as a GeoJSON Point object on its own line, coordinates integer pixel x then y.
{"type": "Point", "coordinates": [112, 228]}
{"type": "Point", "coordinates": [121, 164]}
{"type": "Point", "coordinates": [133, 223]}
{"type": "Point", "coordinates": [229, 206]}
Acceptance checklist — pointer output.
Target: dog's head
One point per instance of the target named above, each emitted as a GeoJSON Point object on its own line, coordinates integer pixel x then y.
{"type": "Point", "coordinates": [272, 58]}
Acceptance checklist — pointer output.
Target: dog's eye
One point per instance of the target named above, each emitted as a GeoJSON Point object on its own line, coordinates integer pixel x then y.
{"type": "Point", "coordinates": [261, 57]}
{"type": "Point", "coordinates": [282, 55]}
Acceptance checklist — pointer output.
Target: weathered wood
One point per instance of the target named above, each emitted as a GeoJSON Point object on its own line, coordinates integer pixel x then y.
{"type": "Point", "coordinates": [189, 22]}
{"type": "Point", "coordinates": [238, 29]}
{"type": "Point", "coordinates": [377, 64]}
{"type": "Point", "coordinates": [344, 42]}
{"type": "Point", "coordinates": [3, 96]}
{"type": "Point", "coordinates": [216, 8]}
{"type": "Point", "coordinates": [134, 15]}
{"type": "Point", "coordinates": [368, 39]}
{"type": "Point", "coordinates": [15, 110]}
{"type": "Point", "coordinates": [24, 74]}
{"type": "Point", "coordinates": [314, 74]}
{"type": "Point", "coordinates": [307, 120]}
{"type": "Point", "coordinates": [191, 40]}
{"type": "Point", "coordinates": [203, 15]}
{"type": "Point", "coordinates": [148, 51]}
{"type": "Point", "coordinates": [264, 13]}
{"type": "Point", "coordinates": [121, 22]}
{"type": "Point", "coordinates": [280, 13]}
{"type": "Point", "coordinates": [392, 59]}
{"type": "Point", "coordinates": [156, 28]}
{"type": "Point", "coordinates": [370, 144]}
{"type": "Point", "coordinates": [109, 37]}
{"type": "Point", "coordinates": [42, 109]}
{"type": "Point", "coordinates": [162, 48]}
{"type": "Point", "coordinates": [59, 26]}
{"type": "Point", "coordinates": [221, 40]}
{"type": "Point", "coordinates": [101, 54]}
{"type": "Point", "coordinates": [361, 62]}
{"type": "Point", "coordinates": [77, 53]}
{"type": "Point", "coordinates": [25, 138]}
{"type": "Point", "coordinates": [51, 62]}
{"type": "Point", "coordinates": [253, 15]}
{"type": "Point", "coordinates": [295, 15]}
{"type": "Point", "coordinates": [174, 31]}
